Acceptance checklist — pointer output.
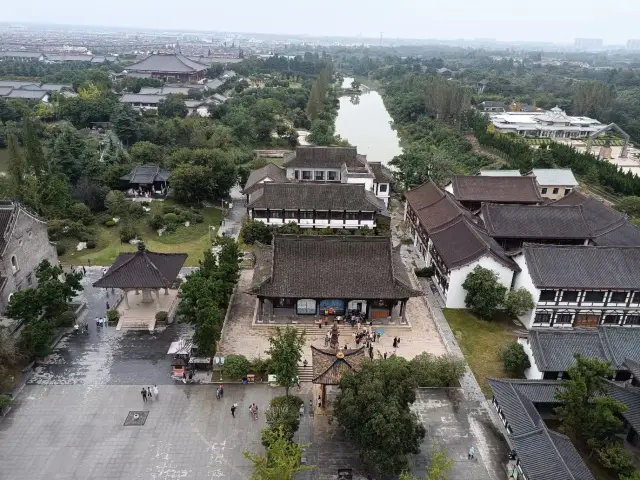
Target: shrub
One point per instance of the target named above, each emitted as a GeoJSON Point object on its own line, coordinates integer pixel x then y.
{"type": "Point", "coordinates": [171, 227]}
{"type": "Point", "coordinates": [66, 319]}
{"type": "Point", "coordinates": [136, 210]}
{"type": "Point", "coordinates": [431, 371]}
{"type": "Point", "coordinates": [426, 272]}
{"type": "Point", "coordinates": [91, 244]}
{"type": "Point", "coordinates": [260, 367]}
{"type": "Point", "coordinates": [255, 231]}
{"type": "Point", "coordinates": [614, 457]}
{"type": "Point", "coordinates": [113, 315]}
{"type": "Point", "coordinates": [515, 359]}
{"type": "Point", "coordinates": [156, 222]}
{"type": "Point", "coordinates": [5, 401]}
{"type": "Point", "coordinates": [162, 316]}
{"type": "Point", "coordinates": [110, 223]}
{"type": "Point", "coordinates": [484, 292]}
{"type": "Point", "coordinates": [236, 366]}
{"type": "Point", "coordinates": [145, 203]}
{"type": "Point", "coordinates": [84, 237]}
{"type": "Point", "coordinates": [168, 209]}
{"type": "Point", "coordinates": [518, 302]}
{"type": "Point", "coordinates": [127, 233]}
{"type": "Point", "coordinates": [171, 218]}
{"type": "Point", "coordinates": [60, 249]}
{"type": "Point", "coordinates": [198, 217]}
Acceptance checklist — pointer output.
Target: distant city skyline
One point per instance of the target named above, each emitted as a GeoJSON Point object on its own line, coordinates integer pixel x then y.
{"type": "Point", "coordinates": [548, 21]}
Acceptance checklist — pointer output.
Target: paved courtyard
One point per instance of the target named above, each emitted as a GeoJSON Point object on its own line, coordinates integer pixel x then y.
{"type": "Point", "coordinates": [76, 432]}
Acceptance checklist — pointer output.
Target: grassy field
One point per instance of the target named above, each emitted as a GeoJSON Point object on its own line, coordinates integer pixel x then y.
{"type": "Point", "coordinates": [192, 240]}
{"type": "Point", "coordinates": [481, 342]}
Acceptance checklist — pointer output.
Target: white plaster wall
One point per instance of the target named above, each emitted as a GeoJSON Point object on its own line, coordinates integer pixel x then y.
{"type": "Point", "coordinates": [367, 182]}
{"type": "Point", "coordinates": [456, 294]}
{"type": "Point", "coordinates": [523, 280]}
{"type": "Point", "coordinates": [449, 188]}
{"type": "Point", "coordinates": [532, 373]}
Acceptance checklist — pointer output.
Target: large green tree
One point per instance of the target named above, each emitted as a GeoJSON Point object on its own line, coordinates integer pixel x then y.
{"type": "Point", "coordinates": [33, 147]}
{"type": "Point", "coordinates": [484, 292]}
{"type": "Point", "coordinates": [17, 167]}
{"type": "Point", "coordinates": [172, 106]}
{"type": "Point", "coordinates": [374, 409]}
{"type": "Point", "coordinates": [286, 352]}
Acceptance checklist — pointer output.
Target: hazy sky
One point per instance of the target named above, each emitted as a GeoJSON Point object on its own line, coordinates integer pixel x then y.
{"type": "Point", "coordinates": [546, 20]}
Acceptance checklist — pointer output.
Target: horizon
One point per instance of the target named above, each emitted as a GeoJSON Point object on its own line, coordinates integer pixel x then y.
{"type": "Point", "coordinates": [409, 20]}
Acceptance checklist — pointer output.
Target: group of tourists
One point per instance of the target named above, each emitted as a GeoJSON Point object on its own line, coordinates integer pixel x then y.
{"type": "Point", "coordinates": [148, 393]}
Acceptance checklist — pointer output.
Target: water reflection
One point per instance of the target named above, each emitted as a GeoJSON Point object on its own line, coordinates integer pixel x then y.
{"type": "Point", "coordinates": [364, 121]}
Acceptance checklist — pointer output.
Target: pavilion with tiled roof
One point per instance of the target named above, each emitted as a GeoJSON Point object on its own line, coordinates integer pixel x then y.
{"type": "Point", "coordinates": [144, 271]}
{"type": "Point", "coordinates": [329, 366]}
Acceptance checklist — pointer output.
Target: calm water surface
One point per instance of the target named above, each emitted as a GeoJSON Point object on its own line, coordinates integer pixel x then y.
{"type": "Point", "coordinates": [364, 122]}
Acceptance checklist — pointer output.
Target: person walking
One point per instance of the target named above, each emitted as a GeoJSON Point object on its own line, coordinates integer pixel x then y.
{"type": "Point", "coordinates": [395, 342]}
{"type": "Point", "coordinates": [156, 392]}
{"type": "Point", "coordinates": [144, 395]}
{"type": "Point", "coordinates": [233, 410]}
{"type": "Point", "coordinates": [385, 355]}
{"type": "Point", "coordinates": [108, 307]}
{"type": "Point", "coordinates": [472, 453]}
{"type": "Point", "coordinates": [149, 392]}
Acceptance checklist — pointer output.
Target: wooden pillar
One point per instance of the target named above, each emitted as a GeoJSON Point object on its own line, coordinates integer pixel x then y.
{"type": "Point", "coordinates": [260, 308]}
{"type": "Point", "coordinates": [166, 291]}
{"type": "Point", "coordinates": [323, 401]}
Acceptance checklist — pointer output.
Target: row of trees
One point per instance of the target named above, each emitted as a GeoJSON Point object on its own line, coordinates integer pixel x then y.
{"type": "Point", "coordinates": [207, 292]}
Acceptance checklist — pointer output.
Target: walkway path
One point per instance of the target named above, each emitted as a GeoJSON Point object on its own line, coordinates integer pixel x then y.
{"type": "Point", "coordinates": [232, 222]}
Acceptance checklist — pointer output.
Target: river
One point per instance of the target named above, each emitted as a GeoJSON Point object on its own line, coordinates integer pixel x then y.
{"type": "Point", "coordinates": [364, 122]}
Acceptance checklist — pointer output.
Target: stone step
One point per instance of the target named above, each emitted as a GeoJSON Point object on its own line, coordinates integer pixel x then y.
{"type": "Point", "coordinates": [305, 373]}
{"type": "Point", "coordinates": [344, 330]}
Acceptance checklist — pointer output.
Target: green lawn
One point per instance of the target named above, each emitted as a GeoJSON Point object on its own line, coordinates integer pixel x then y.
{"type": "Point", "coordinates": [481, 342]}
{"type": "Point", "coordinates": [192, 240]}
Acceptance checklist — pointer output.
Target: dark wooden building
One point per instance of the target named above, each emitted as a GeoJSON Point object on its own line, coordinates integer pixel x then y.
{"type": "Point", "coordinates": [169, 67]}
{"type": "Point", "coordinates": [305, 274]}
{"type": "Point", "coordinates": [146, 181]}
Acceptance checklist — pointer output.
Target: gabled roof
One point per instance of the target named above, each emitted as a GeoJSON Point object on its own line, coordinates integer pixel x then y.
{"type": "Point", "coordinates": [21, 54]}
{"type": "Point", "coordinates": [146, 174]}
{"type": "Point", "coordinates": [27, 94]}
{"type": "Point", "coordinates": [480, 188]}
{"type": "Point", "coordinates": [270, 170]}
{"type": "Point", "coordinates": [633, 367]}
{"type": "Point", "coordinates": [16, 83]}
{"type": "Point", "coordinates": [456, 234]}
{"type": "Point", "coordinates": [332, 266]}
{"type": "Point", "coordinates": [554, 349]}
{"type": "Point", "coordinates": [329, 366]}
{"type": "Point", "coordinates": [535, 221]}
{"type": "Point", "coordinates": [56, 87]}
{"type": "Point", "coordinates": [381, 173]}
{"type": "Point", "coordinates": [166, 63]}
{"type": "Point", "coordinates": [143, 269]}
{"type": "Point", "coordinates": [316, 196]}
{"type": "Point", "coordinates": [583, 267]}
{"type": "Point", "coordinates": [630, 396]}
{"type": "Point", "coordinates": [141, 98]}
{"type": "Point", "coordinates": [322, 157]}
{"type": "Point", "coordinates": [543, 454]}
{"type": "Point", "coordinates": [554, 177]}
{"type": "Point", "coordinates": [4, 91]}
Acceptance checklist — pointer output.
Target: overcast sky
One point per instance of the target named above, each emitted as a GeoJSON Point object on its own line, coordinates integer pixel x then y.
{"type": "Point", "coordinates": [544, 20]}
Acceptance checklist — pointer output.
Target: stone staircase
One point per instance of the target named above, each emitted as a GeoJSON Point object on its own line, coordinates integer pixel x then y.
{"type": "Point", "coordinates": [305, 373]}
{"type": "Point", "coordinates": [312, 331]}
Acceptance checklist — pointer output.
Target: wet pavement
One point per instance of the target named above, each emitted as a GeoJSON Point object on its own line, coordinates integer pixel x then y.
{"type": "Point", "coordinates": [77, 432]}
{"type": "Point", "coordinates": [105, 356]}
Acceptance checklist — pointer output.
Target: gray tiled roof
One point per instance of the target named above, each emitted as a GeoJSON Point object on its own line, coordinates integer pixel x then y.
{"type": "Point", "coordinates": [535, 221]}
{"type": "Point", "coordinates": [333, 266]}
{"type": "Point", "coordinates": [5, 91]}
{"type": "Point", "coordinates": [480, 188]}
{"type": "Point", "coordinates": [215, 83]}
{"type": "Point", "coordinates": [455, 233]}
{"type": "Point", "coordinates": [315, 196]}
{"type": "Point", "coordinates": [609, 226]}
{"type": "Point", "coordinates": [554, 349]}
{"type": "Point", "coordinates": [166, 63]}
{"type": "Point", "coordinates": [16, 83]}
{"type": "Point", "coordinates": [381, 173]}
{"type": "Point", "coordinates": [630, 396]}
{"type": "Point", "coordinates": [55, 87]}
{"type": "Point", "coordinates": [139, 98]}
{"type": "Point", "coordinates": [548, 455]}
{"type": "Point", "coordinates": [322, 157]}
{"type": "Point", "coordinates": [143, 269]}
{"type": "Point", "coordinates": [28, 94]}
{"type": "Point", "coordinates": [633, 367]}
{"type": "Point", "coordinates": [146, 174]}
{"type": "Point", "coordinates": [20, 54]}
{"type": "Point", "coordinates": [543, 454]}
{"type": "Point", "coordinates": [270, 170]}
{"type": "Point", "coordinates": [500, 173]}
{"type": "Point", "coordinates": [583, 267]}
{"type": "Point", "coordinates": [554, 177]}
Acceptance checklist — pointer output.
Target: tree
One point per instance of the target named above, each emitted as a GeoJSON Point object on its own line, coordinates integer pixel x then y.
{"type": "Point", "coordinates": [431, 371]}
{"type": "Point", "coordinates": [439, 468]}
{"type": "Point", "coordinates": [322, 133]}
{"type": "Point", "coordinates": [373, 407]}
{"type": "Point", "coordinates": [124, 122]}
{"type": "Point", "coordinates": [484, 293]}
{"type": "Point", "coordinates": [33, 147]}
{"type": "Point", "coordinates": [629, 206]}
{"type": "Point", "coordinates": [147, 153]}
{"type": "Point", "coordinates": [116, 203]}
{"type": "Point", "coordinates": [236, 366]}
{"type": "Point", "coordinates": [256, 231]}
{"type": "Point", "coordinates": [282, 461]}
{"type": "Point", "coordinates": [17, 166]}
{"type": "Point", "coordinates": [587, 413]}
{"type": "Point", "coordinates": [172, 106]}
{"type": "Point", "coordinates": [515, 359]}
{"type": "Point", "coordinates": [518, 302]}
{"type": "Point", "coordinates": [285, 352]}
{"type": "Point", "coordinates": [191, 183]}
